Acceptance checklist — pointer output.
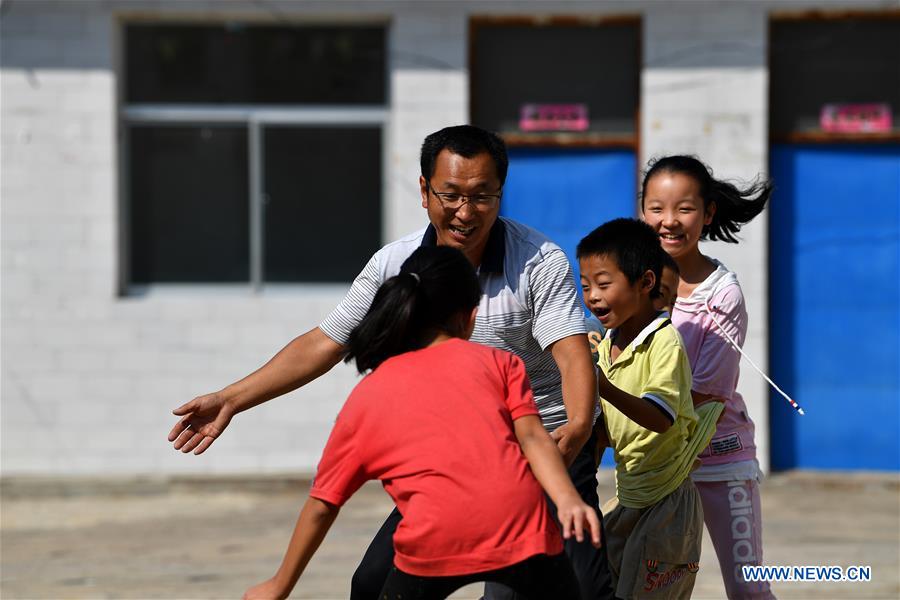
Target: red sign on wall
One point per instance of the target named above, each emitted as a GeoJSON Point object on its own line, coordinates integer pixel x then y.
{"type": "Point", "coordinates": [856, 118]}
{"type": "Point", "coordinates": [554, 117]}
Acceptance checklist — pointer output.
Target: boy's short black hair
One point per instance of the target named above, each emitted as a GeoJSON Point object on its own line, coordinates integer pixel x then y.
{"type": "Point", "coordinates": [631, 243]}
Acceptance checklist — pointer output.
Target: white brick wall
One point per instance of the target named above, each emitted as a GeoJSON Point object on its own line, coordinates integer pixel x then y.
{"type": "Point", "coordinates": [703, 92]}
{"type": "Point", "coordinates": [88, 378]}
{"type": "Point", "coordinates": [429, 90]}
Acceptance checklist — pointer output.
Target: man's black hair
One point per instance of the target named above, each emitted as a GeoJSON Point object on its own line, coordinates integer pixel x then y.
{"type": "Point", "coordinates": [631, 243]}
{"type": "Point", "coordinates": [466, 141]}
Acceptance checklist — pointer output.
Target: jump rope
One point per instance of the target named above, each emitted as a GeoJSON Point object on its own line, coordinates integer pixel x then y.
{"type": "Point", "coordinates": [692, 308]}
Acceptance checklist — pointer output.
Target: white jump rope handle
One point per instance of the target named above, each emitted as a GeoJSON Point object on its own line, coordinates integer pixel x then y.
{"type": "Point", "coordinates": [790, 400]}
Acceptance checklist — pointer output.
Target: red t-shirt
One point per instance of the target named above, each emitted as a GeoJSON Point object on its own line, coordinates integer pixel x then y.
{"type": "Point", "coordinates": [436, 427]}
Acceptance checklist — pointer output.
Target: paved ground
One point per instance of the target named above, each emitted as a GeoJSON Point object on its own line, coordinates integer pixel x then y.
{"type": "Point", "coordinates": [212, 538]}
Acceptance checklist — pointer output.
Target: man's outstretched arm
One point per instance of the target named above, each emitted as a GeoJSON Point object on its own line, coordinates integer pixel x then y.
{"type": "Point", "coordinates": [204, 418]}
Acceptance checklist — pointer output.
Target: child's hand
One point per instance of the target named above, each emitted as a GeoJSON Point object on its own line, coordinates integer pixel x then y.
{"type": "Point", "coordinates": [267, 590]}
{"type": "Point", "coordinates": [575, 516]}
{"type": "Point", "coordinates": [700, 399]}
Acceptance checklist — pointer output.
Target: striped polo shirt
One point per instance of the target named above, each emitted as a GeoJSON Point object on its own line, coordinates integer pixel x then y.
{"type": "Point", "coordinates": [528, 301]}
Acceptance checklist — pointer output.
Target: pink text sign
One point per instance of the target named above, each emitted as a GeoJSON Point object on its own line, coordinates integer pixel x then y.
{"type": "Point", "coordinates": [856, 118]}
{"type": "Point", "coordinates": [554, 117]}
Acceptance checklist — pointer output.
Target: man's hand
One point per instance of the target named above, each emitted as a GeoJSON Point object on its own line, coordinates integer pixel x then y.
{"type": "Point", "coordinates": [203, 420]}
{"type": "Point", "coordinates": [205, 417]}
{"type": "Point", "coordinates": [570, 440]}
{"type": "Point", "coordinates": [267, 590]}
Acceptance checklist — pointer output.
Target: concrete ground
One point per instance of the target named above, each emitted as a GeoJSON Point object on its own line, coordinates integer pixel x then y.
{"type": "Point", "coordinates": [212, 538]}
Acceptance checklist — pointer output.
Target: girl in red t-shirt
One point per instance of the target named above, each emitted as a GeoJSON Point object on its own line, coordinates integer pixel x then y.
{"type": "Point", "coordinates": [451, 430]}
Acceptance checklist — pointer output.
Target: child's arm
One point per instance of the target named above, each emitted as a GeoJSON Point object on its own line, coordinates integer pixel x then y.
{"type": "Point", "coordinates": [600, 432]}
{"type": "Point", "coordinates": [547, 466]}
{"type": "Point", "coordinates": [639, 410]}
{"type": "Point", "coordinates": [313, 524]}
{"type": "Point", "coordinates": [602, 439]}
{"type": "Point", "coordinates": [699, 398]}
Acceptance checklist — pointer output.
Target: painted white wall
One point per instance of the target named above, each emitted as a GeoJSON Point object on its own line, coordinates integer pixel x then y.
{"type": "Point", "coordinates": [89, 378]}
{"type": "Point", "coordinates": [704, 91]}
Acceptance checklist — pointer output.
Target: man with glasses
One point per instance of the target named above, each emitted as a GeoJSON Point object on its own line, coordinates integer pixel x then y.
{"type": "Point", "coordinates": [529, 307]}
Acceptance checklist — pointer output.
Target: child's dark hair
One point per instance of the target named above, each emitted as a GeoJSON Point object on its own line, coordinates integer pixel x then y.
{"type": "Point", "coordinates": [669, 262]}
{"type": "Point", "coordinates": [631, 243]}
{"type": "Point", "coordinates": [734, 206]}
{"type": "Point", "coordinates": [466, 141]}
{"type": "Point", "coordinates": [435, 284]}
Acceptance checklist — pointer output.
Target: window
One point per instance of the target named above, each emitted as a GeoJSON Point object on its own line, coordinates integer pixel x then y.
{"type": "Point", "coordinates": [548, 83]}
{"type": "Point", "coordinates": [253, 153]}
{"type": "Point", "coordinates": [850, 64]}
{"type": "Point", "coordinates": [189, 203]}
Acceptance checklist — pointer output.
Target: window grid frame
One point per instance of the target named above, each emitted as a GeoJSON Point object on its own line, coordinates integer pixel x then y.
{"type": "Point", "coordinates": [255, 117]}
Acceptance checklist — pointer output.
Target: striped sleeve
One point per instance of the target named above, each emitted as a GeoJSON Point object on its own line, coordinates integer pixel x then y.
{"type": "Point", "coordinates": [355, 304]}
{"type": "Point", "coordinates": [555, 303]}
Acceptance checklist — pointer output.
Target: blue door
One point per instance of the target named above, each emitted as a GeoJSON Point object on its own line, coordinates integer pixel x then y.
{"type": "Point", "coordinates": [565, 194]}
{"type": "Point", "coordinates": [835, 306]}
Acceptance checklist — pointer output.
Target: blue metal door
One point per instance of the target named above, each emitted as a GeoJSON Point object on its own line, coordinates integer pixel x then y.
{"type": "Point", "coordinates": [565, 194]}
{"type": "Point", "coordinates": [835, 306]}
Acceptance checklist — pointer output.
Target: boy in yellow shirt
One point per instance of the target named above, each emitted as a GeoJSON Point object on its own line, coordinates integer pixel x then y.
{"type": "Point", "coordinates": [654, 527]}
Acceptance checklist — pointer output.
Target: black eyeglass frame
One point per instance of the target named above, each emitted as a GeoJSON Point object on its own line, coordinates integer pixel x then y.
{"type": "Point", "coordinates": [477, 201]}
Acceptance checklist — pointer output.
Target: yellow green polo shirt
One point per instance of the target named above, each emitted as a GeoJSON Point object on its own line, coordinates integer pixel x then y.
{"type": "Point", "coordinates": [649, 465]}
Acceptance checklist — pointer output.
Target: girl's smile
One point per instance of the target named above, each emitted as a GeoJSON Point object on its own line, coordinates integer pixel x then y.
{"type": "Point", "coordinates": [673, 207]}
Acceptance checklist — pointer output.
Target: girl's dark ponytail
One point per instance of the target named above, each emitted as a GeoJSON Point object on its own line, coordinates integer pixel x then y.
{"type": "Point", "coordinates": [385, 329]}
{"type": "Point", "coordinates": [734, 206]}
{"type": "Point", "coordinates": [434, 287]}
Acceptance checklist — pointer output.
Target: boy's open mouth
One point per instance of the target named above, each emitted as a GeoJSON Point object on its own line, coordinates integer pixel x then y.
{"type": "Point", "coordinates": [601, 312]}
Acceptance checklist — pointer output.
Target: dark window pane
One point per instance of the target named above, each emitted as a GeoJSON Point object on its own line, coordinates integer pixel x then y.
{"type": "Point", "coordinates": [189, 204]}
{"type": "Point", "coordinates": [814, 63]}
{"type": "Point", "coordinates": [517, 65]}
{"type": "Point", "coordinates": [240, 63]}
{"type": "Point", "coordinates": [323, 201]}
{"type": "Point", "coordinates": [325, 65]}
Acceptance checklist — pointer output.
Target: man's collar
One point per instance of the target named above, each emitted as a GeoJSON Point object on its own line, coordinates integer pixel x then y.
{"type": "Point", "coordinates": [494, 250]}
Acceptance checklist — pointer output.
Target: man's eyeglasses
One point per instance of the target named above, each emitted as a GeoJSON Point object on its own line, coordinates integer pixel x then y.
{"type": "Point", "coordinates": [454, 200]}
